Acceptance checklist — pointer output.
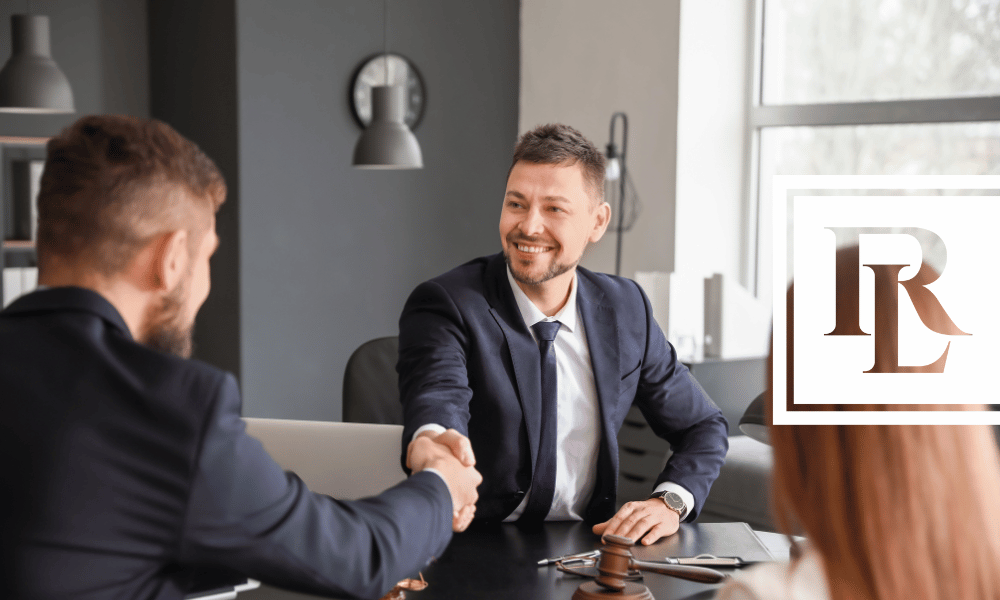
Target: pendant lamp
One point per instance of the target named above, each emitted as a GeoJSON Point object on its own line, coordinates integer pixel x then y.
{"type": "Point", "coordinates": [387, 143]}
{"type": "Point", "coordinates": [31, 82]}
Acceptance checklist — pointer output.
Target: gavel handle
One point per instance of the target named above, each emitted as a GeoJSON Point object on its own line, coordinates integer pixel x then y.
{"type": "Point", "coordinates": [691, 573]}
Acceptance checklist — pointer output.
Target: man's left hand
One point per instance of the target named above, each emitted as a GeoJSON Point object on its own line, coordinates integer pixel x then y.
{"type": "Point", "coordinates": [650, 518]}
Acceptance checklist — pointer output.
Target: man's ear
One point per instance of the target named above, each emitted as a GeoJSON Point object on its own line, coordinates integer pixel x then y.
{"type": "Point", "coordinates": [170, 259]}
{"type": "Point", "coordinates": [602, 216]}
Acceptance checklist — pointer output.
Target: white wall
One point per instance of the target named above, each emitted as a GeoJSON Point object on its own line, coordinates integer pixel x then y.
{"type": "Point", "coordinates": [711, 132]}
{"type": "Point", "coordinates": [583, 60]}
{"type": "Point", "coordinates": [679, 70]}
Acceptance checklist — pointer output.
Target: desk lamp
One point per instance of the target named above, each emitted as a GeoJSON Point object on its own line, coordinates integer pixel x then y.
{"type": "Point", "coordinates": [618, 188]}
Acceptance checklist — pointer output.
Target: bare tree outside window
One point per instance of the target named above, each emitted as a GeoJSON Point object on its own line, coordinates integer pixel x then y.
{"type": "Point", "coordinates": [858, 50]}
{"type": "Point", "coordinates": [890, 87]}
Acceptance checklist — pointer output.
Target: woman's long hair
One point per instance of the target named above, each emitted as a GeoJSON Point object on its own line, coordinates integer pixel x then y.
{"type": "Point", "coordinates": [896, 511]}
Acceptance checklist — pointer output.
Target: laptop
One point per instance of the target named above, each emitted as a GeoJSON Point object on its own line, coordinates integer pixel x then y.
{"type": "Point", "coordinates": [222, 590]}
{"type": "Point", "coordinates": [344, 460]}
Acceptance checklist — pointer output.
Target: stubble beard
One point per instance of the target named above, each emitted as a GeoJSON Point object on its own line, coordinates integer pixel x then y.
{"type": "Point", "coordinates": [555, 268]}
{"type": "Point", "coordinates": [165, 330]}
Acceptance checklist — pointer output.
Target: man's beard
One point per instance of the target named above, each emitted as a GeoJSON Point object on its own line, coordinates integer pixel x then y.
{"type": "Point", "coordinates": [164, 330]}
{"type": "Point", "coordinates": [555, 268]}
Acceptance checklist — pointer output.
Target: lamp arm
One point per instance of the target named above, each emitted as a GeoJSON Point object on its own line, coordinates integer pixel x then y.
{"type": "Point", "coordinates": [385, 38]}
{"type": "Point", "coordinates": [621, 183]}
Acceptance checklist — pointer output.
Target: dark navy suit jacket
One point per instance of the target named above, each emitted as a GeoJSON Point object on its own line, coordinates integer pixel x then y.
{"type": "Point", "coordinates": [127, 471]}
{"type": "Point", "coordinates": [467, 361]}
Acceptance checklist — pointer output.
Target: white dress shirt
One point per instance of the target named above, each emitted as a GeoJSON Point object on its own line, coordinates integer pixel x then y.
{"type": "Point", "coordinates": [578, 426]}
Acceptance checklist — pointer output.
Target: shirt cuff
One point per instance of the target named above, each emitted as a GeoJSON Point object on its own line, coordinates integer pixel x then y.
{"type": "Point", "coordinates": [686, 496]}
{"type": "Point", "coordinates": [428, 427]}
{"type": "Point", "coordinates": [445, 481]}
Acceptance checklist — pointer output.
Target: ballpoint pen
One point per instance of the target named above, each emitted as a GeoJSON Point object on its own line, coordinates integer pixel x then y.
{"type": "Point", "coordinates": [549, 561]}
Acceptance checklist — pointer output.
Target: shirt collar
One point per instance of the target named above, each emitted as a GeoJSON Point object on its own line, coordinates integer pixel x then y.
{"type": "Point", "coordinates": [567, 315]}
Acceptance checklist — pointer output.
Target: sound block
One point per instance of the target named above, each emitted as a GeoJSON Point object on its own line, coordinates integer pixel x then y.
{"type": "Point", "coordinates": [633, 591]}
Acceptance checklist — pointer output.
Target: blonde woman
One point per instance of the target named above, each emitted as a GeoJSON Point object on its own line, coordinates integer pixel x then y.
{"type": "Point", "coordinates": [890, 512]}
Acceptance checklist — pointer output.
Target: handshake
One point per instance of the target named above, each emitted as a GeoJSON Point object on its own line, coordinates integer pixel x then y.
{"type": "Point", "coordinates": [450, 454]}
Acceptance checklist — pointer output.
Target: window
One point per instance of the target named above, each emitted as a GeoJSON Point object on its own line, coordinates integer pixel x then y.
{"type": "Point", "coordinates": [863, 87]}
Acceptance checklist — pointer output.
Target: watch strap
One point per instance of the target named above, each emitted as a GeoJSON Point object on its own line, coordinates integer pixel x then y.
{"type": "Point", "coordinates": [663, 496]}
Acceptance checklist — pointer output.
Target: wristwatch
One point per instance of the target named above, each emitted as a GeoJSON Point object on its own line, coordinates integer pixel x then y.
{"type": "Point", "coordinates": [673, 501]}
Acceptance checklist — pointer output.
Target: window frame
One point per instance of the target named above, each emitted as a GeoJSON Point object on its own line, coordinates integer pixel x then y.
{"type": "Point", "coordinates": [956, 109]}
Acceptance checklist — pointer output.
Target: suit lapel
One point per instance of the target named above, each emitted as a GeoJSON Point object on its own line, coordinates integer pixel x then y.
{"type": "Point", "coordinates": [522, 347]}
{"type": "Point", "coordinates": [602, 341]}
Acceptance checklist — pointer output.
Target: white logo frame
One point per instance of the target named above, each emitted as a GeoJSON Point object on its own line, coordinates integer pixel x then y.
{"type": "Point", "coordinates": [783, 186]}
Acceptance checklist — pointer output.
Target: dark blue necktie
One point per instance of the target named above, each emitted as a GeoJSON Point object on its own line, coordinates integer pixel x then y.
{"type": "Point", "coordinates": [543, 480]}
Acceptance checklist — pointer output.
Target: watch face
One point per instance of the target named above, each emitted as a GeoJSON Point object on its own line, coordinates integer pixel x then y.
{"type": "Point", "coordinates": [400, 72]}
{"type": "Point", "coordinates": [674, 501]}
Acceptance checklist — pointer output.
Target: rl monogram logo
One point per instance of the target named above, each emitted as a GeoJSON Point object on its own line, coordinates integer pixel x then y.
{"type": "Point", "coordinates": [867, 321]}
{"type": "Point", "coordinates": [887, 299]}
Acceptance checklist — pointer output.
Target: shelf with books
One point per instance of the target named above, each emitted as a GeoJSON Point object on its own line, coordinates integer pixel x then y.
{"type": "Point", "coordinates": [21, 163]}
{"type": "Point", "coordinates": [19, 254]}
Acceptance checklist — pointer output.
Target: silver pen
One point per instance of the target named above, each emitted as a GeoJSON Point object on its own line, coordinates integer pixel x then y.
{"type": "Point", "coordinates": [581, 555]}
{"type": "Point", "coordinates": [707, 560]}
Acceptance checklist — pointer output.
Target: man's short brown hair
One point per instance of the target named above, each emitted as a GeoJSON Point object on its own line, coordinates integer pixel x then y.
{"type": "Point", "coordinates": [112, 183]}
{"type": "Point", "coordinates": [557, 144]}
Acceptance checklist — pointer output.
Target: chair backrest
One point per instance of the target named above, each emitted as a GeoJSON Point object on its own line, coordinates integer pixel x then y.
{"type": "Point", "coordinates": [371, 388]}
{"type": "Point", "coordinates": [344, 460]}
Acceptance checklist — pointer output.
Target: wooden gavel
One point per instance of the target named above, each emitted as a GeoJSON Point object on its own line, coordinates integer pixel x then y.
{"type": "Point", "coordinates": [614, 564]}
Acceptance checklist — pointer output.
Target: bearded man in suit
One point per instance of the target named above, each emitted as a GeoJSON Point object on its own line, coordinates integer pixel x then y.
{"type": "Point", "coordinates": [525, 364]}
{"type": "Point", "coordinates": [128, 472]}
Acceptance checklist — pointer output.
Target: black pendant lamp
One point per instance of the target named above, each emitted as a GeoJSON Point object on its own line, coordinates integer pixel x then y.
{"type": "Point", "coordinates": [387, 143]}
{"type": "Point", "coordinates": [31, 82]}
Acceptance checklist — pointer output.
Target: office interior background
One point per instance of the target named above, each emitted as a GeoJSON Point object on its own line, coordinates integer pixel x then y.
{"type": "Point", "coordinates": [318, 257]}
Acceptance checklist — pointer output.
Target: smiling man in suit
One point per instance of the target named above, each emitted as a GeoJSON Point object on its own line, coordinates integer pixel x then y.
{"type": "Point", "coordinates": [525, 364]}
{"type": "Point", "coordinates": [127, 470]}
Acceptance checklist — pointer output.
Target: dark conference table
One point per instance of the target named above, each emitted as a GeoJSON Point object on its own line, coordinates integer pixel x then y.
{"type": "Point", "coordinates": [501, 562]}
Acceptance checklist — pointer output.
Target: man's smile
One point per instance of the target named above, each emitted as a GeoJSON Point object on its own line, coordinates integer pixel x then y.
{"type": "Point", "coordinates": [529, 246]}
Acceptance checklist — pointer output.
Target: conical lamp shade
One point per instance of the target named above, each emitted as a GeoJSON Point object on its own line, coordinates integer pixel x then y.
{"type": "Point", "coordinates": [31, 82]}
{"type": "Point", "coordinates": [388, 143]}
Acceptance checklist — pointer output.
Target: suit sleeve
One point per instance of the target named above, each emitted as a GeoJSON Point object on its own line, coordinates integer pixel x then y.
{"type": "Point", "coordinates": [433, 379]}
{"type": "Point", "coordinates": [680, 412]}
{"type": "Point", "coordinates": [246, 514]}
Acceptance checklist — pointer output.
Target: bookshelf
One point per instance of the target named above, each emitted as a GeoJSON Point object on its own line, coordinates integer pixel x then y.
{"type": "Point", "coordinates": [16, 252]}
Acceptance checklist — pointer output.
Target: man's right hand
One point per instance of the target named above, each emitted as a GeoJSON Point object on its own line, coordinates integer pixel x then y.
{"type": "Point", "coordinates": [425, 452]}
{"type": "Point", "coordinates": [459, 445]}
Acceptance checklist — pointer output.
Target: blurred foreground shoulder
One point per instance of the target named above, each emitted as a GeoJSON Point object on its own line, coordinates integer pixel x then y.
{"type": "Point", "coordinates": [801, 580]}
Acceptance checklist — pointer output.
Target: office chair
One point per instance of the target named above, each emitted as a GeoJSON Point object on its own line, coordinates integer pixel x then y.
{"type": "Point", "coordinates": [371, 392]}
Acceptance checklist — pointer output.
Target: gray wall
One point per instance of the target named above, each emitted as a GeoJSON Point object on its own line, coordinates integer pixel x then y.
{"type": "Point", "coordinates": [316, 257]}
{"type": "Point", "coordinates": [100, 45]}
{"type": "Point", "coordinates": [328, 253]}
{"type": "Point", "coordinates": [628, 62]}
